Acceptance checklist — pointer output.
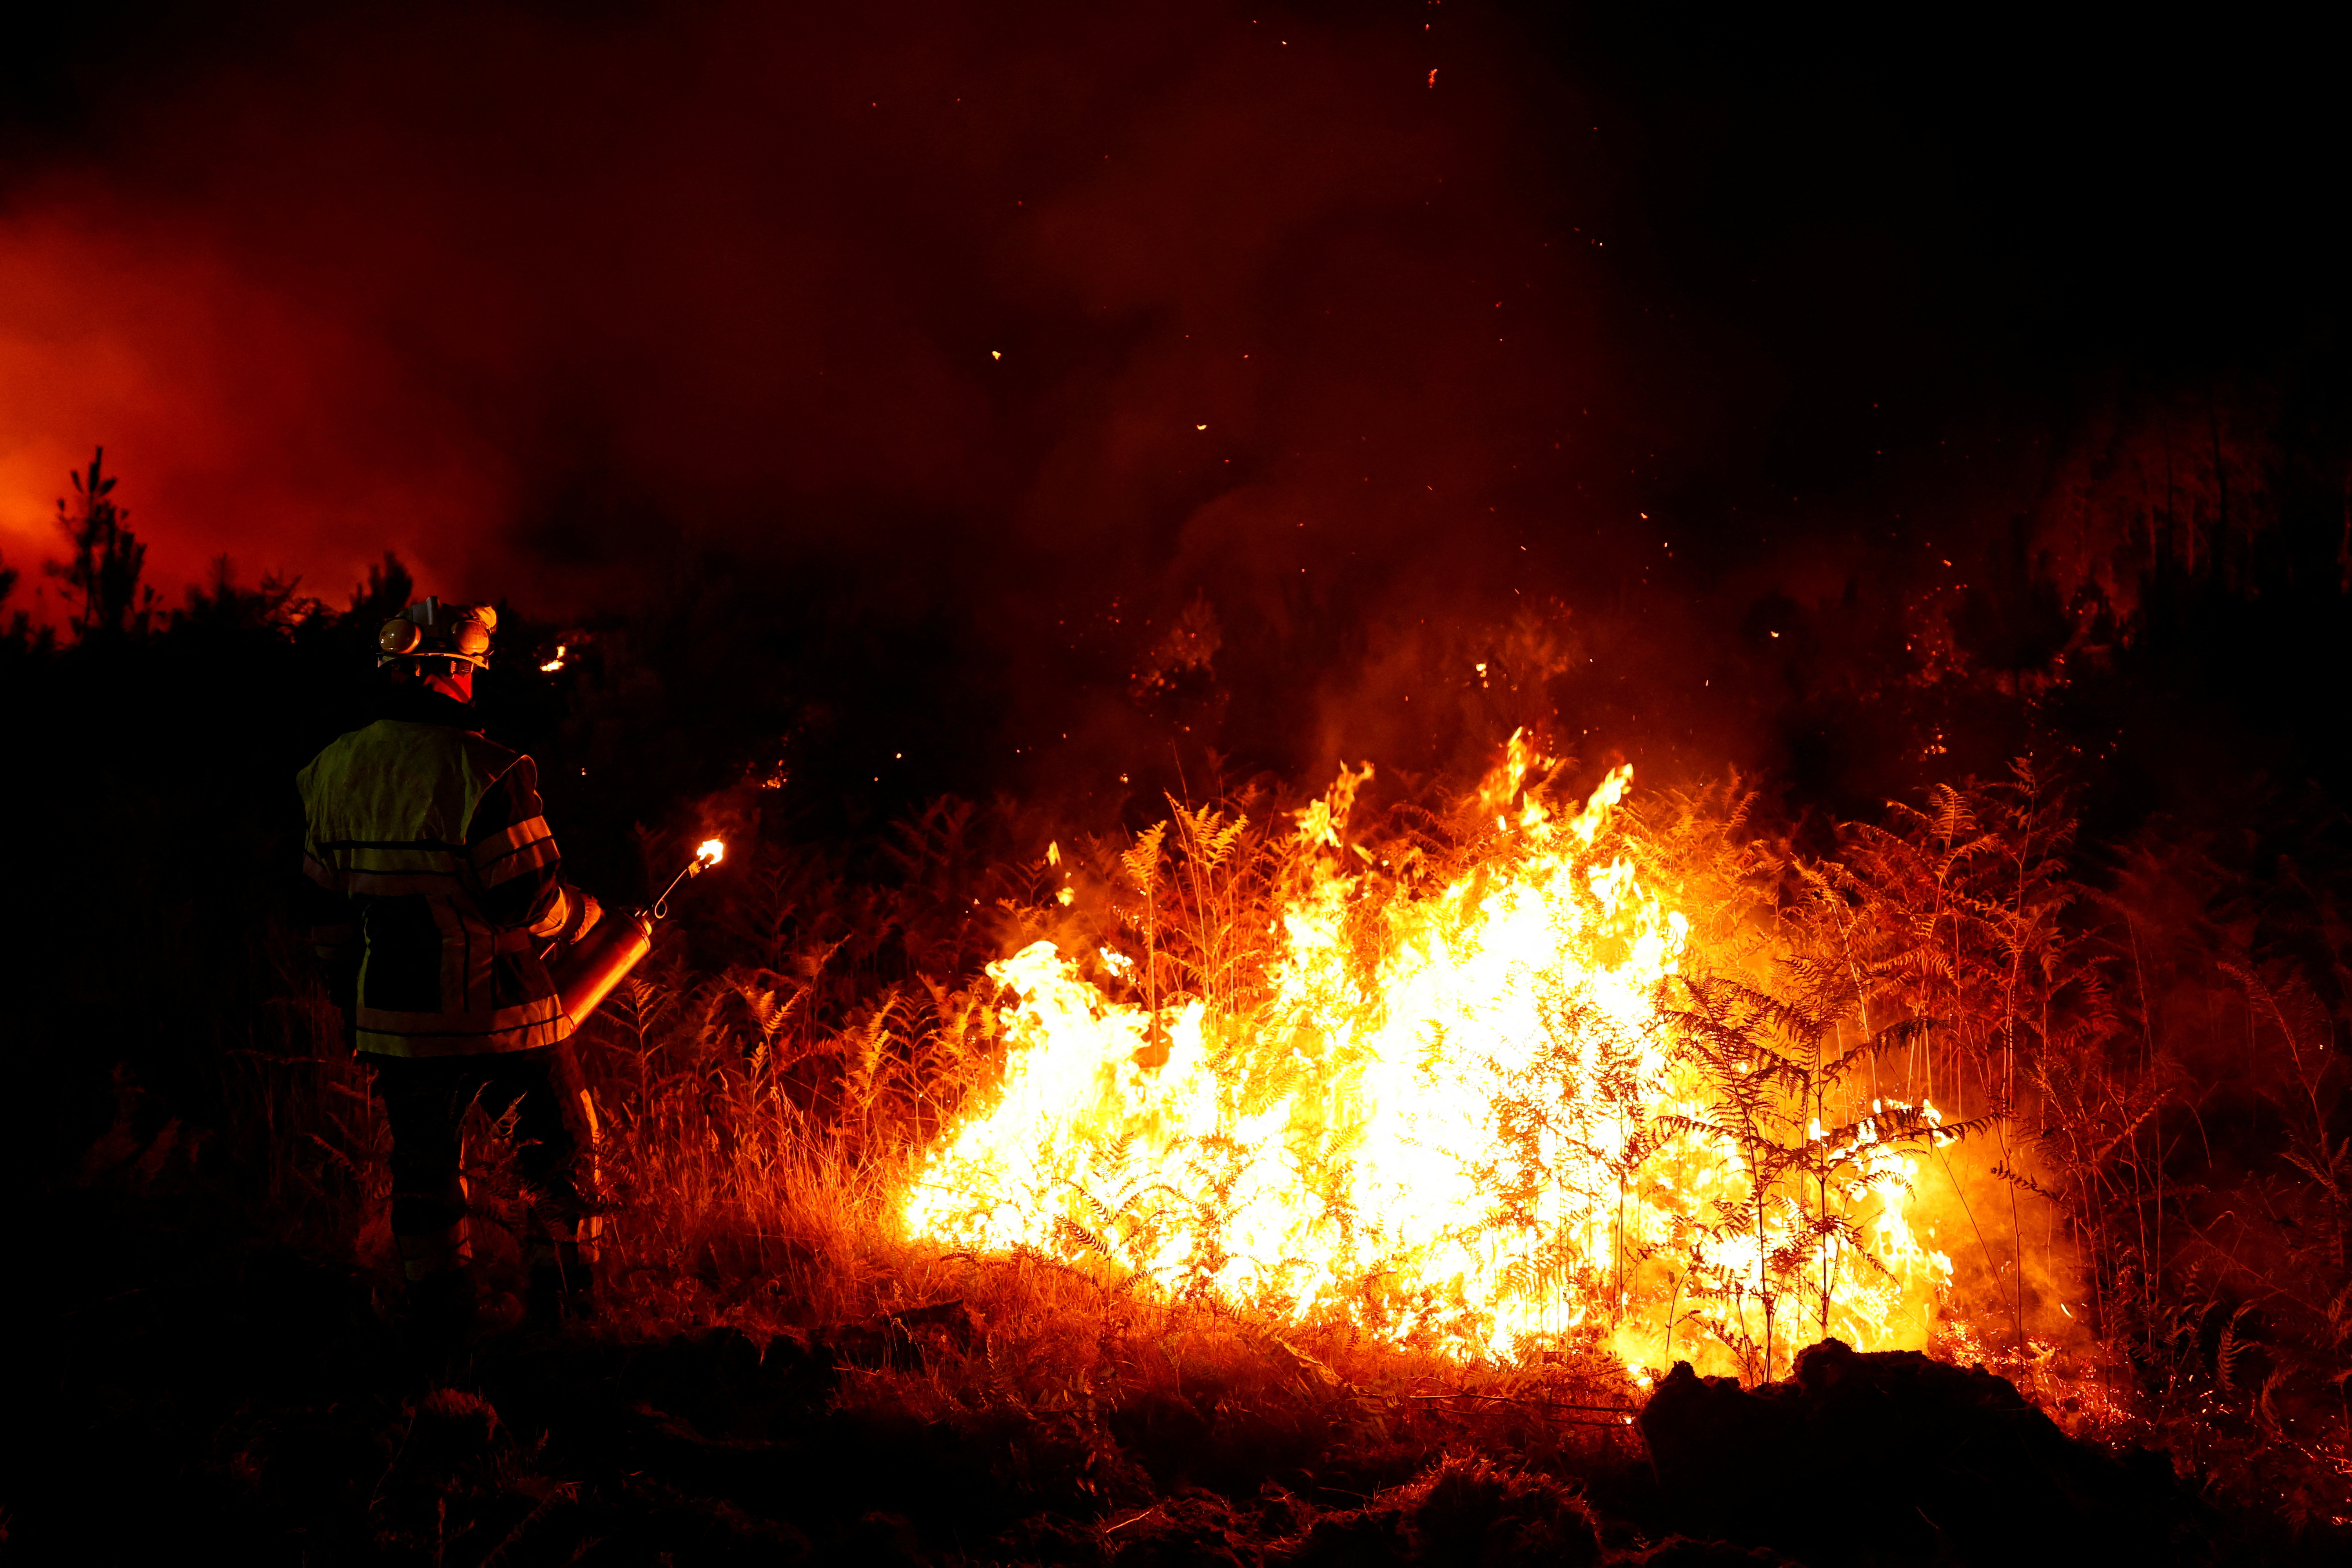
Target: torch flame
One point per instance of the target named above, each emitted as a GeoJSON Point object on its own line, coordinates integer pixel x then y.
{"type": "Point", "coordinates": [1458, 1119]}
{"type": "Point", "coordinates": [711, 852]}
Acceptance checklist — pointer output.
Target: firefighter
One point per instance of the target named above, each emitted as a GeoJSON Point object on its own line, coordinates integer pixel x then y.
{"type": "Point", "coordinates": [433, 890]}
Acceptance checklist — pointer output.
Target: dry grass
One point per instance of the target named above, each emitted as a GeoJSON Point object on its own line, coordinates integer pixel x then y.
{"type": "Point", "coordinates": [762, 1114]}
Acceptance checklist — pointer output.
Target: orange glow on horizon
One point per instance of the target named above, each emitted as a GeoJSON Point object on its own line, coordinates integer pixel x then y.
{"type": "Point", "coordinates": [237, 420]}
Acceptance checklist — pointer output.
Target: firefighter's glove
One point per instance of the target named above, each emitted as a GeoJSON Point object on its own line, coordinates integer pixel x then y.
{"type": "Point", "coordinates": [584, 913]}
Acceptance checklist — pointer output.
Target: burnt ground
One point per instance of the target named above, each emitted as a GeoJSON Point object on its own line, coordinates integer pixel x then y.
{"type": "Point", "coordinates": [175, 1383]}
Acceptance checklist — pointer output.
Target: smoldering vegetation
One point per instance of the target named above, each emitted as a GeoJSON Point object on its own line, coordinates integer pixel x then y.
{"type": "Point", "coordinates": [2094, 911]}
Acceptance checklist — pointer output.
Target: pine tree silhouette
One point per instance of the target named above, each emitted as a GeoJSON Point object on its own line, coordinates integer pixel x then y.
{"type": "Point", "coordinates": [102, 578]}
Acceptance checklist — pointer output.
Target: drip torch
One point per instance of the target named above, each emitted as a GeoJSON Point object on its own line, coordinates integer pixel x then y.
{"type": "Point", "coordinates": [600, 961]}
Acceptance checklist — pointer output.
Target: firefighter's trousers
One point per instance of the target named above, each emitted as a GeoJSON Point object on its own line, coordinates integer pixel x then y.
{"type": "Point", "coordinates": [426, 1099]}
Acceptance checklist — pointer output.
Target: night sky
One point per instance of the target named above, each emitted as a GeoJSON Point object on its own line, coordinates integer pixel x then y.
{"type": "Point", "coordinates": [997, 338]}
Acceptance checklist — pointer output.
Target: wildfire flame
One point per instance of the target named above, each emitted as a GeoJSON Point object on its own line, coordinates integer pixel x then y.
{"type": "Point", "coordinates": [710, 852]}
{"type": "Point", "coordinates": [556, 663]}
{"type": "Point", "coordinates": [1459, 1124]}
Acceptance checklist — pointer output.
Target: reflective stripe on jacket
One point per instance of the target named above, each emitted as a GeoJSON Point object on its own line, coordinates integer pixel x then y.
{"type": "Point", "coordinates": [425, 845]}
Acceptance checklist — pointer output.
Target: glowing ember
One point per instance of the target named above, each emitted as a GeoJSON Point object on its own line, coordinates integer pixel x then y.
{"type": "Point", "coordinates": [710, 852]}
{"type": "Point", "coordinates": [1510, 1112]}
{"type": "Point", "coordinates": [552, 665]}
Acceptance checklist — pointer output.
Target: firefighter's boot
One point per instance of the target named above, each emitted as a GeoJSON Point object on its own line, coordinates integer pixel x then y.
{"type": "Point", "coordinates": [563, 1282]}
{"type": "Point", "coordinates": [439, 1305]}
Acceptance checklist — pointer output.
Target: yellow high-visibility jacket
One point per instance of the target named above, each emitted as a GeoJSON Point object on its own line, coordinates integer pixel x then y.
{"type": "Point", "coordinates": [426, 852]}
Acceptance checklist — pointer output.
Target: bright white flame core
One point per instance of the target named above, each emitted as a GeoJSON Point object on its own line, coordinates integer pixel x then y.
{"type": "Point", "coordinates": [1475, 1141]}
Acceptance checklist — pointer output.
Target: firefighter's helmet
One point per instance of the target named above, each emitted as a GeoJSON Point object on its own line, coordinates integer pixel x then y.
{"type": "Point", "coordinates": [429, 629]}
